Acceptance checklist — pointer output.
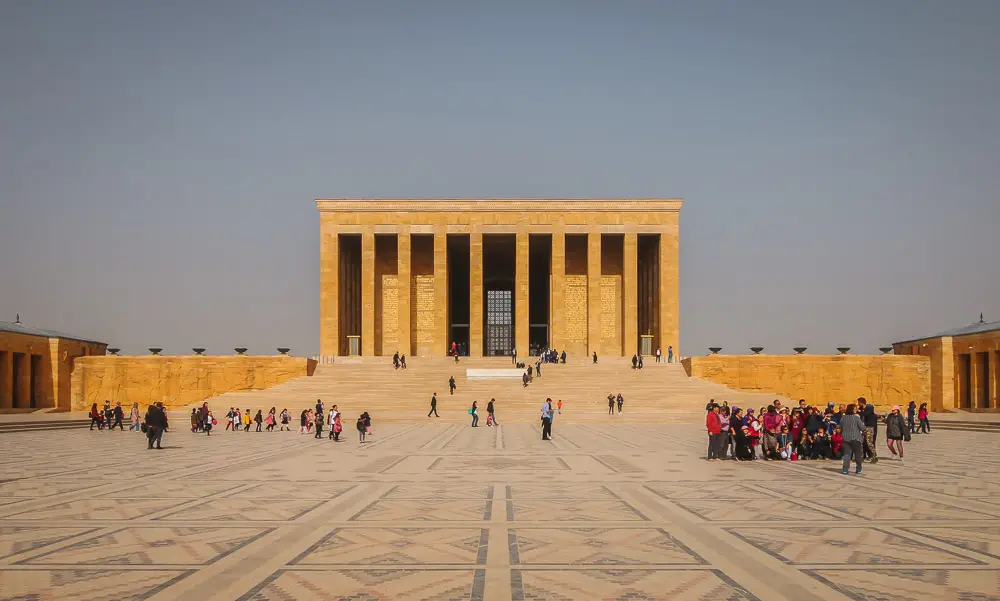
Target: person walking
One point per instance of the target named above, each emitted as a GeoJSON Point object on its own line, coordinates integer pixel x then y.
{"type": "Point", "coordinates": [451, 385]}
{"type": "Point", "coordinates": [635, 361]}
{"type": "Point", "coordinates": [395, 360]}
{"type": "Point", "coordinates": [319, 425]}
{"type": "Point", "coordinates": [547, 420]}
{"type": "Point", "coordinates": [513, 356]}
{"type": "Point", "coordinates": [285, 418]}
{"type": "Point", "coordinates": [134, 418]}
{"type": "Point", "coordinates": [657, 354]}
{"type": "Point", "coordinates": [852, 429]}
{"type": "Point", "coordinates": [911, 417]}
{"type": "Point", "coordinates": [922, 414]}
{"type": "Point", "coordinates": [156, 423]}
{"type": "Point", "coordinates": [108, 414]}
{"type": "Point", "coordinates": [896, 431]}
{"type": "Point", "coordinates": [870, 420]}
{"type": "Point", "coordinates": [331, 419]}
{"type": "Point", "coordinates": [303, 420]}
{"type": "Point", "coordinates": [670, 354]}
{"type": "Point", "coordinates": [270, 420]}
{"type": "Point", "coordinates": [247, 420]}
{"type": "Point", "coordinates": [434, 406]}
{"type": "Point", "coordinates": [119, 416]}
{"type": "Point", "coordinates": [595, 357]}
{"type": "Point", "coordinates": [611, 404]}
{"type": "Point", "coordinates": [474, 412]}
{"type": "Point", "coordinates": [209, 421]}
{"type": "Point", "coordinates": [559, 407]}
{"type": "Point", "coordinates": [563, 357]}
{"type": "Point", "coordinates": [621, 401]}
{"type": "Point", "coordinates": [490, 412]}
{"type": "Point", "coordinates": [402, 362]}
{"type": "Point", "coordinates": [95, 417]}
{"type": "Point", "coordinates": [229, 418]}
{"type": "Point", "coordinates": [361, 429]}
{"type": "Point", "coordinates": [338, 426]}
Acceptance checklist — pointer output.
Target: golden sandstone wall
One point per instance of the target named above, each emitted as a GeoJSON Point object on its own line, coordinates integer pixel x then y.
{"type": "Point", "coordinates": [177, 381]}
{"type": "Point", "coordinates": [882, 379]}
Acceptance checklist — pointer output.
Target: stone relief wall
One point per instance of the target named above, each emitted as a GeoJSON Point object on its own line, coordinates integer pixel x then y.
{"type": "Point", "coordinates": [882, 379]}
{"type": "Point", "coordinates": [575, 314]}
{"type": "Point", "coordinates": [422, 314]}
{"type": "Point", "coordinates": [177, 381]}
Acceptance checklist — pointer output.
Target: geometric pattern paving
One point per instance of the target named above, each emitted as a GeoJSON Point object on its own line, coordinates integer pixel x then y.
{"type": "Point", "coordinates": [913, 584]}
{"type": "Point", "coordinates": [436, 512]}
{"type": "Point", "coordinates": [142, 545]}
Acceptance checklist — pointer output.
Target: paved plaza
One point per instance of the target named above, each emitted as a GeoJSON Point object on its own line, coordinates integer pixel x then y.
{"type": "Point", "coordinates": [445, 512]}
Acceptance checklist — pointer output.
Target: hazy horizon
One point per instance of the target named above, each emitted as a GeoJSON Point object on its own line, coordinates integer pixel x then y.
{"type": "Point", "coordinates": [838, 161]}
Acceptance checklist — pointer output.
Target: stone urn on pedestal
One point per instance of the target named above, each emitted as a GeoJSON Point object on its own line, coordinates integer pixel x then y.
{"type": "Point", "coordinates": [843, 349]}
{"type": "Point", "coordinates": [240, 350]}
{"type": "Point", "coordinates": [198, 350]}
{"type": "Point", "coordinates": [153, 350]}
{"type": "Point", "coordinates": [799, 349]}
{"type": "Point", "coordinates": [885, 349]}
{"type": "Point", "coordinates": [283, 350]}
{"type": "Point", "coordinates": [114, 351]}
{"type": "Point", "coordinates": [714, 349]}
{"type": "Point", "coordinates": [756, 349]}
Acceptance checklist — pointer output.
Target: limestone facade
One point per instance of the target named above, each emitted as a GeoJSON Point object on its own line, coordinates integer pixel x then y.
{"type": "Point", "coordinates": [428, 268]}
{"type": "Point", "coordinates": [177, 381]}
{"type": "Point", "coordinates": [964, 366]}
{"type": "Point", "coordinates": [35, 368]}
{"type": "Point", "coordinates": [884, 380]}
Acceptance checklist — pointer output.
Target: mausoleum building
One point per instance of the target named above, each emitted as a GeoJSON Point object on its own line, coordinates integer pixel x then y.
{"type": "Point", "coordinates": [415, 276]}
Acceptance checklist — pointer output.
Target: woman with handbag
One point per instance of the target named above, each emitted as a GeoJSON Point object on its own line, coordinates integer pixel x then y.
{"type": "Point", "coordinates": [134, 418]}
{"type": "Point", "coordinates": [896, 431]}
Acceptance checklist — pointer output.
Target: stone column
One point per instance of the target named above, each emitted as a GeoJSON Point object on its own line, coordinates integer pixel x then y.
{"type": "Point", "coordinates": [557, 292]}
{"type": "Point", "coordinates": [6, 380]}
{"type": "Point", "coordinates": [521, 295]}
{"type": "Point", "coordinates": [630, 294]}
{"type": "Point", "coordinates": [403, 284]}
{"type": "Point", "coordinates": [976, 381]}
{"type": "Point", "coordinates": [442, 338]}
{"type": "Point", "coordinates": [476, 294]}
{"type": "Point", "coordinates": [368, 292]}
{"type": "Point", "coordinates": [948, 380]}
{"type": "Point", "coordinates": [594, 292]}
{"type": "Point", "coordinates": [669, 289]}
{"type": "Point", "coordinates": [24, 381]}
{"type": "Point", "coordinates": [329, 291]}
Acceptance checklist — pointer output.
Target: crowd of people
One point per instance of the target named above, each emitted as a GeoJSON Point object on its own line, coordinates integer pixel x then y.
{"type": "Point", "coordinates": [806, 432]}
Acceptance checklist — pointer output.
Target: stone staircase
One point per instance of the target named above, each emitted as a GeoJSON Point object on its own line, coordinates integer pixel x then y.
{"type": "Point", "coordinates": [657, 393]}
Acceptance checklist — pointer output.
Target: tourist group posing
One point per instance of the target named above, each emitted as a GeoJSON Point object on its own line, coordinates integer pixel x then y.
{"type": "Point", "coordinates": [807, 432]}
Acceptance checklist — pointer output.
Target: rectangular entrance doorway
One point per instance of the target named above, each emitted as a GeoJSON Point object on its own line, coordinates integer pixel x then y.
{"type": "Point", "coordinates": [499, 323]}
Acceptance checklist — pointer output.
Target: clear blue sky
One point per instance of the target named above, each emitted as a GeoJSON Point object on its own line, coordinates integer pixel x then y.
{"type": "Point", "coordinates": [840, 161]}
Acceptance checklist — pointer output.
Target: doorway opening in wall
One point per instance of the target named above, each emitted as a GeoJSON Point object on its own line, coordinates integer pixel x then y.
{"type": "Point", "coordinates": [3, 377]}
{"type": "Point", "coordinates": [983, 388]}
{"type": "Point", "coordinates": [498, 297]}
{"type": "Point", "coordinates": [349, 293]}
{"type": "Point", "coordinates": [458, 292]}
{"type": "Point", "coordinates": [539, 277]}
{"type": "Point", "coordinates": [17, 398]}
{"type": "Point", "coordinates": [36, 383]}
{"type": "Point", "coordinates": [648, 273]}
{"type": "Point", "coordinates": [964, 381]}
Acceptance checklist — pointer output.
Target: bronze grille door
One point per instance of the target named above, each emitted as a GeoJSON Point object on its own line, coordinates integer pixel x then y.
{"type": "Point", "coordinates": [499, 323]}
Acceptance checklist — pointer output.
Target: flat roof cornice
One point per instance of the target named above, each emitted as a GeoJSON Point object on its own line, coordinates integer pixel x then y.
{"type": "Point", "coordinates": [500, 205]}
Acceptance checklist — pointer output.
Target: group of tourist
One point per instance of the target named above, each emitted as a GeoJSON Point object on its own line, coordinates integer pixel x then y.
{"type": "Point", "coordinates": [615, 400]}
{"type": "Point", "coordinates": [806, 432]}
{"type": "Point", "coordinates": [112, 417]}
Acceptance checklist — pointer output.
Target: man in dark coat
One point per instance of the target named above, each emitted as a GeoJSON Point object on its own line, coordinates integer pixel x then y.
{"type": "Point", "coordinates": [156, 423]}
{"type": "Point", "coordinates": [434, 406]}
